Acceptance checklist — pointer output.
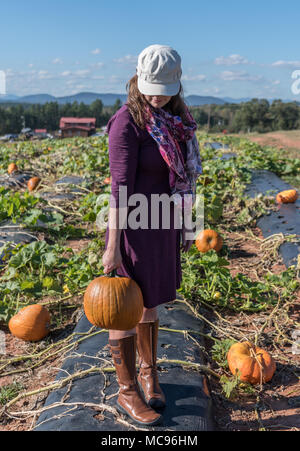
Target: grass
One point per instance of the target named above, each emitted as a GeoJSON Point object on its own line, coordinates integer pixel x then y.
{"type": "Point", "coordinates": [9, 392]}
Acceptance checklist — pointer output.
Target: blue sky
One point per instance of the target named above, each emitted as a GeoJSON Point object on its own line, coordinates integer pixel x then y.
{"type": "Point", "coordinates": [228, 48]}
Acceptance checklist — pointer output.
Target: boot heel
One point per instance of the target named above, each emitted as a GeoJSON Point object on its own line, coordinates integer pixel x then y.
{"type": "Point", "coordinates": [154, 403]}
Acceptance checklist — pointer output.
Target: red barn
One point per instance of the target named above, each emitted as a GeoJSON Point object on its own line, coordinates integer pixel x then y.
{"type": "Point", "coordinates": [77, 126]}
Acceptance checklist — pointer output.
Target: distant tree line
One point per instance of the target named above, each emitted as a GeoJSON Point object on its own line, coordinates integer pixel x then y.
{"type": "Point", "coordinates": [14, 116]}
{"type": "Point", "coordinates": [257, 115]}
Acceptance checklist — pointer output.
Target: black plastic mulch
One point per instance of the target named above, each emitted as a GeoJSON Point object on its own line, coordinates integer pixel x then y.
{"type": "Point", "coordinates": [188, 401]}
{"type": "Point", "coordinates": [286, 220]}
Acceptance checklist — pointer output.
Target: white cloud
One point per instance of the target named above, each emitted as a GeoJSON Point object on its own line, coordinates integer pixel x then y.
{"type": "Point", "coordinates": [78, 87]}
{"type": "Point", "coordinates": [114, 79]}
{"type": "Point", "coordinates": [282, 63]}
{"type": "Point", "coordinates": [57, 61]}
{"type": "Point", "coordinates": [82, 73]}
{"type": "Point", "coordinates": [239, 75]}
{"type": "Point", "coordinates": [44, 75]}
{"type": "Point", "coordinates": [199, 77]}
{"type": "Point", "coordinates": [127, 59]}
{"type": "Point", "coordinates": [97, 65]}
{"type": "Point", "coordinates": [96, 51]}
{"type": "Point", "coordinates": [66, 73]}
{"type": "Point", "coordinates": [231, 60]}
{"type": "Point", "coordinates": [212, 91]}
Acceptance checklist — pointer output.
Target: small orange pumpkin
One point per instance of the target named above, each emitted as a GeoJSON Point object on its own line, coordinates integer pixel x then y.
{"type": "Point", "coordinates": [107, 181]}
{"type": "Point", "coordinates": [31, 323]}
{"type": "Point", "coordinates": [209, 239]}
{"type": "Point", "coordinates": [113, 302]}
{"type": "Point", "coordinates": [287, 196]}
{"type": "Point", "coordinates": [255, 364]}
{"type": "Point", "coordinates": [33, 183]}
{"type": "Point", "coordinates": [12, 167]}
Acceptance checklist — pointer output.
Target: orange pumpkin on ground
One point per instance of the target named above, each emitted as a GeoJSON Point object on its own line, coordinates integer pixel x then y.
{"type": "Point", "coordinates": [12, 167]}
{"type": "Point", "coordinates": [209, 239]}
{"type": "Point", "coordinates": [31, 323]}
{"type": "Point", "coordinates": [287, 196]}
{"type": "Point", "coordinates": [33, 183]}
{"type": "Point", "coordinates": [255, 364]}
{"type": "Point", "coordinates": [107, 181]}
{"type": "Point", "coordinates": [113, 302]}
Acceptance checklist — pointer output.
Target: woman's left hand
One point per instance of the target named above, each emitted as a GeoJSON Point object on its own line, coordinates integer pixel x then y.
{"type": "Point", "coordinates": [185, 243]}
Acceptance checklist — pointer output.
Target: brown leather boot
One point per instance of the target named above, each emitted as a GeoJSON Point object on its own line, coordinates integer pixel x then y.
{"type": "Point", "coordinates": [147, 334]}
{"type": "Point", "coordinates": [130, 400]}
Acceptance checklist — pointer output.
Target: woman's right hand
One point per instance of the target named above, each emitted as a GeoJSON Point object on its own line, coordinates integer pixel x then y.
{"type": "Point", "coordinates": [112, 259]}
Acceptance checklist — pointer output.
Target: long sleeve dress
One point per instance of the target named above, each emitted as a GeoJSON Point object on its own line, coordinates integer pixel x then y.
{"type": "Point", "coordinates": [150, 256]}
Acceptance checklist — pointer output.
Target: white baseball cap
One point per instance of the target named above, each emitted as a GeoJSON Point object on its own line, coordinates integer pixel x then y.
{"type": "Point", "coordinates": [159, 71]}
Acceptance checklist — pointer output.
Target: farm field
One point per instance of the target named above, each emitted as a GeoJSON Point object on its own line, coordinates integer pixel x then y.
{"type": "Point", "coordinates": [288, 141]}
{"type": "Point", "coordinates": [282, 139]}
{"type": "Point", "coordinates": [243, 292]}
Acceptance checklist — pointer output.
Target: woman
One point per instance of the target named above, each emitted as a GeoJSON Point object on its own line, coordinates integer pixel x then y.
{"type": "Point", "coordinates": [152, 151]}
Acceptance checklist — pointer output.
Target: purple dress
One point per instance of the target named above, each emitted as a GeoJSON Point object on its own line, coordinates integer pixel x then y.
{"type": "Point", "coordinates": [151, 257]}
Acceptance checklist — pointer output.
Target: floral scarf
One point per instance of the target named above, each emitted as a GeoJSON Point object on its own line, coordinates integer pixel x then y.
{"type": "Point", "coordinates": [167, 130]}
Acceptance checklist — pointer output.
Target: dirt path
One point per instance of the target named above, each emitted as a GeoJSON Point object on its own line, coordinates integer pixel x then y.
{"type": "Point", "coordinates": [286, 140]}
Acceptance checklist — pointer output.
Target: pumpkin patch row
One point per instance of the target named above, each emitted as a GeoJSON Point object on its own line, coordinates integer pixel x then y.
{"type": "Point", "coordinates": [106, 296]}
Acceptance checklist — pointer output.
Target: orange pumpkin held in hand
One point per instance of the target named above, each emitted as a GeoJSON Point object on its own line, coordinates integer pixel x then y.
{"type": "Point", "coordinates": [12, 167]}
{"type": "Point", "coordinates": [31, 323]}
{"type": "Point", "coordinates": [113, 302]}
{"type": "Point", "coordinates": [255, 364]}
{"type": "Point", "coordinates": [209, 239]}
{"type": "Point", "coordinates": [33, 183]}
{"type": "Point", "coordinates": [287, 196]}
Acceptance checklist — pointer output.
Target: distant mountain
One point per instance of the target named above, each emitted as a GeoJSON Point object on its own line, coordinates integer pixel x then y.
{"type": "Point", "coordinates": [110, 99]}
{"type": "Point", "coordinates": [194, 100]}
{"type": "Point", "coordinates": [90, 97]}
{"type": "Point", "coordinates": [248, 99]}
{"type": "Point", "coordinates": [37, 98]}
{"type": "Point", "coordinates": [85, 97]}
{"type": "Point", "coordinates": [231, 100]}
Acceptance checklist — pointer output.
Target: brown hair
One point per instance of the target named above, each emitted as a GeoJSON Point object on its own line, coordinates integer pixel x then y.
{"type": "Point", "coordinates": [136, 103]}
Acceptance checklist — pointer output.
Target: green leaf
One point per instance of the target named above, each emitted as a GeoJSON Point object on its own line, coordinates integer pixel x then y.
{"type": "Point", "coordinates": [27, 285]}
{"type": "Point", "coordinates": [50, 259]}
{"type": "Point", "coordinates": [48, 282]}
{"type": "Point", "coordinates": [229, 385]}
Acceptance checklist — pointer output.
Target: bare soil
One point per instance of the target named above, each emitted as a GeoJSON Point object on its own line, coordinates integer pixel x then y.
{"type": "Point", "coordinates": [276, 406]}
{"type": "Point", "coordinates": [287, 140]}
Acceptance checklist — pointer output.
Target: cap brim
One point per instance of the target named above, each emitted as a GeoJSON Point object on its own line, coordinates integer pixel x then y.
{"type": "Point", "coordinates": [157, 89]}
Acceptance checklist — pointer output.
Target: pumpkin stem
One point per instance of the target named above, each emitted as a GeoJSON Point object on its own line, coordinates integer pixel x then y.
{"type": "Point", "coordinates": [113, 273]}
